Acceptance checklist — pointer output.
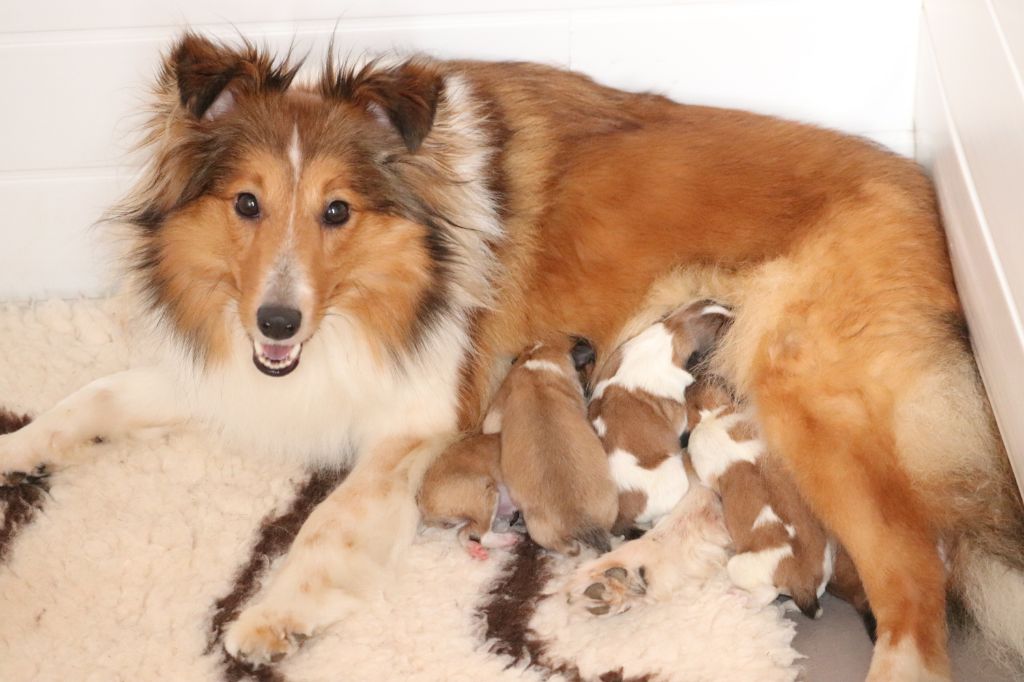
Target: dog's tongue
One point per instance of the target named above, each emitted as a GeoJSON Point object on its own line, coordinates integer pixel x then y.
{"type": "Point", "coordinates": [275, 352]}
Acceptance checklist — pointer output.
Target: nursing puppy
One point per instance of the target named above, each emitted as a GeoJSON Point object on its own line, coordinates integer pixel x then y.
{"type": "Point", "coordinates": [463, 489]}
{"type": "Point", "coordinates": [551, 460]}
{"type": "Point", "coordinates": [780, 546]}
{"type": "Point", "coordinates": [639, 411]}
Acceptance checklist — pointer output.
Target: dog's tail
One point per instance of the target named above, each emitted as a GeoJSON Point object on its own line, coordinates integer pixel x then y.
{"type": "Point", "coordinates": [991, 590]}
{"type": "Point", "coordinates": [986, 566]}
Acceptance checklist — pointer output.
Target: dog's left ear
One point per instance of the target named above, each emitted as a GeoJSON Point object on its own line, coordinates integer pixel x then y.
{"type": "Point", "coordinates": [406, 96]}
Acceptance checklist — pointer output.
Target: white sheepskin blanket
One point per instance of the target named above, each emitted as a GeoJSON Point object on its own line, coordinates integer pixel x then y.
{"type": "Point", "coordinates": [126, 564]}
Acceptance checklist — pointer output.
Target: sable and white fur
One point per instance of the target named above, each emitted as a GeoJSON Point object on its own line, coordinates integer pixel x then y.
{"type": "Point", "coordinates": [551, 460]}
{"type": "Point", "coordinates": [464, 489]}
{"type": "Point", "coordinates": [781, 548]}
{"type": "Point", "coordinates": [638, 410]}
{"type": "Point", "coordinates": [420, 222]}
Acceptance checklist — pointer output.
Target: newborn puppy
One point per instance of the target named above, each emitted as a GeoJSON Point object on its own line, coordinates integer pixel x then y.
{"type": "Point", "coordinates": [551, 460]}
{"type": "Point", "coordinates": [780, 545]}
{"type": "Point", "coordinates": [463, 489]}
{"type": "Point", "coordinates": [639, 410]}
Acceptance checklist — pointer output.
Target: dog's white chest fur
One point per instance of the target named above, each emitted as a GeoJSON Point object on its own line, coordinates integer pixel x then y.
{"type": "Point", "coordinates": [339, 401]}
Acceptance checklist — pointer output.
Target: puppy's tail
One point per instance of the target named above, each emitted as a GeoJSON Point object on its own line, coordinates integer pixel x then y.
{"type": "Point", "coordinates": [595, 537]}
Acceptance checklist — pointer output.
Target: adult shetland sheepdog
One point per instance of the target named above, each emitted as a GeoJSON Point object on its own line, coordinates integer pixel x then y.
{"type": "Point", "coordinates": [348, 266]}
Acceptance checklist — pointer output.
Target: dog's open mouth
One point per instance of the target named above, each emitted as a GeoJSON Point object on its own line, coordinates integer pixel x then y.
{"type": "Point", "coordinates": [275, 360]}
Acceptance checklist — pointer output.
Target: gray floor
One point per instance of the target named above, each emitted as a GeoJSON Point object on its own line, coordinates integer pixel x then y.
{"type": "Point", "coordinates": [838, 649]}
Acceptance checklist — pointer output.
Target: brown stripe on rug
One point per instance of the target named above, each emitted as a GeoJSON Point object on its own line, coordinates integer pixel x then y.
{"type": "Point", "coordinates": [23, 497]}
{"type": "Point", "coordinates": [274, 538]}
{"type": "Point", "coordinates": [511, 603]}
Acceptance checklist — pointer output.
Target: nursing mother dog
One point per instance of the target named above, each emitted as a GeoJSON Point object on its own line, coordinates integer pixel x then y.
{"type": "Point", "coordinates": [343, 269]}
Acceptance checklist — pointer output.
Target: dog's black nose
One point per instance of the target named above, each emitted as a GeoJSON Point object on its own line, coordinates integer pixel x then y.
{"type": "Point", "coordinates": [278, 322]}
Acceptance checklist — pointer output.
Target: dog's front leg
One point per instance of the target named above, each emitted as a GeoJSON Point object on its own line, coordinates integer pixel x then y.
{"type": "Point", "coordinates": [106, 408]}
{"type": "Point", "coordinates": [340, 553]}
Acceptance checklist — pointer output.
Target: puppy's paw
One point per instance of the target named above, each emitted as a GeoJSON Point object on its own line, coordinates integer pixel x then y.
{"type": "Point", "coordinates": [606, 587]}
{"type": "Point", "coordinates": [264, 635]}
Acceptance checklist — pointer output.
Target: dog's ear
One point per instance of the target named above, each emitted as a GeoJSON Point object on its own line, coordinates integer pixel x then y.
{"type": "Point", "coordinates": [210, 76]}
{"type": "Point", "coordinates": [405, 96]}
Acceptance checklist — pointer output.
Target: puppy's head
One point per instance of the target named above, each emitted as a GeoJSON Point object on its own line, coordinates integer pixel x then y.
{"type": "Point", "coordinates": [696, 329]}
{"type": "Point", "coordinates": [462, 488]}
{"type": "Point", "coordinates": [570, 356]}
{"type": "Point", "coordinates": [269, 207]}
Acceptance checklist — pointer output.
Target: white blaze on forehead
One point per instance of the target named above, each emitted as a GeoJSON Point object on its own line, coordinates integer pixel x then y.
{"type": "Point", "coordinates": [542, 366]}
{"type": "Point", "coordinates": [295, 154]}
{"type": "Point", "coordinates": [600, 427]}
{"type": "Point", "coordinates": [715, 309]}
{"type": "Point", "coordinates": [647, 366]}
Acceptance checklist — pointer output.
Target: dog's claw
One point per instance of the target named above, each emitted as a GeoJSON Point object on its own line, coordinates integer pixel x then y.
{"type": "Point", "coordinates": [617, 573]}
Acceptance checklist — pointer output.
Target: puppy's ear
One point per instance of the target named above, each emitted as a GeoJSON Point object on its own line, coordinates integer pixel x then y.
{"type": "Point", "coordinates": [707, 321]}
{"type": "Point", "coordinates": [405, 96]}
{"type": "Point", "coordinates": [582, 353]}
{"type": "Point", "coordinates": [209, 76]}
{"type": "Point", "coordinates": [584, 359]}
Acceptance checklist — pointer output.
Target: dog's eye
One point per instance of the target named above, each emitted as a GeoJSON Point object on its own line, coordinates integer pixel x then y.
{"type": "Point", "coordinates": [247, 206]}
{"type": "Point", "coordinates": [337, 213]}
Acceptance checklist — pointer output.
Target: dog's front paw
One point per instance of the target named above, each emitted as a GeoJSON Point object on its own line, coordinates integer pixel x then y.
{"type": "Point", "coordinates": [606, 587]}
{"type": "Point", "coordinates": [22, 455]}
{"type": "Point", "coordinates": [264, 635]}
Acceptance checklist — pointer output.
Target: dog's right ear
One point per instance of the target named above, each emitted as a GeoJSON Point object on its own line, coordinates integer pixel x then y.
{"type": "Point", "coordinates": [210, 76]}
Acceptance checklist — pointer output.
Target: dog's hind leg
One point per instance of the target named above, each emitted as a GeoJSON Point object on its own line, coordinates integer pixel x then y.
{"type": "Point", "coordinates": [106, 408]}
{"type": "Point", "coordinates": [341, 552]}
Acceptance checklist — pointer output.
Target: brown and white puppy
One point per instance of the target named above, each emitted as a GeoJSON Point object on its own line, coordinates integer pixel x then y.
{"type": "Point", "coordinates": [781, 547]}
{"type": "Point", "coordinates": [639, 410]}
{"type": "Point", "coordinates": [549, 451]}
{"type": "Point", "coordinates": [463, 489]}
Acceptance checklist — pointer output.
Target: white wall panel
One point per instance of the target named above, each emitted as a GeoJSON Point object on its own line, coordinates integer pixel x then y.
{"type": "Point", "coordinates": [970, 130]}
{"type": "Point", "coordinates": [49, 245]}
{"type": "Point", "coordinates": [78, 102]}
{"type": "Point", "coordinates": [74, 75]}
{"type": "Point", "coordinates": [849, 65]}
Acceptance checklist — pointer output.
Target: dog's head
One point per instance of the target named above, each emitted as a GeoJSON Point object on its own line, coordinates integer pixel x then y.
{"type": "Point", "coordinates": [269, 206]}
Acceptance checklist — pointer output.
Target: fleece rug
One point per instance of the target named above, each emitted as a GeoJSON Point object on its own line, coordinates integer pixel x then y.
{"type": "Point", "coordinates": [128, 563]}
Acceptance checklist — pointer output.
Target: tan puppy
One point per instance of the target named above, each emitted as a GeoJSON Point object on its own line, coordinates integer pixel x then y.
{"type": "Point", "coordinates": [549, 449]}
{"type": "Point", "coordinates": [463, 489]}
{"type": "Point", "coordinates": [781, 547]}
{"type": "Point", "coordinates": [639, 411]}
